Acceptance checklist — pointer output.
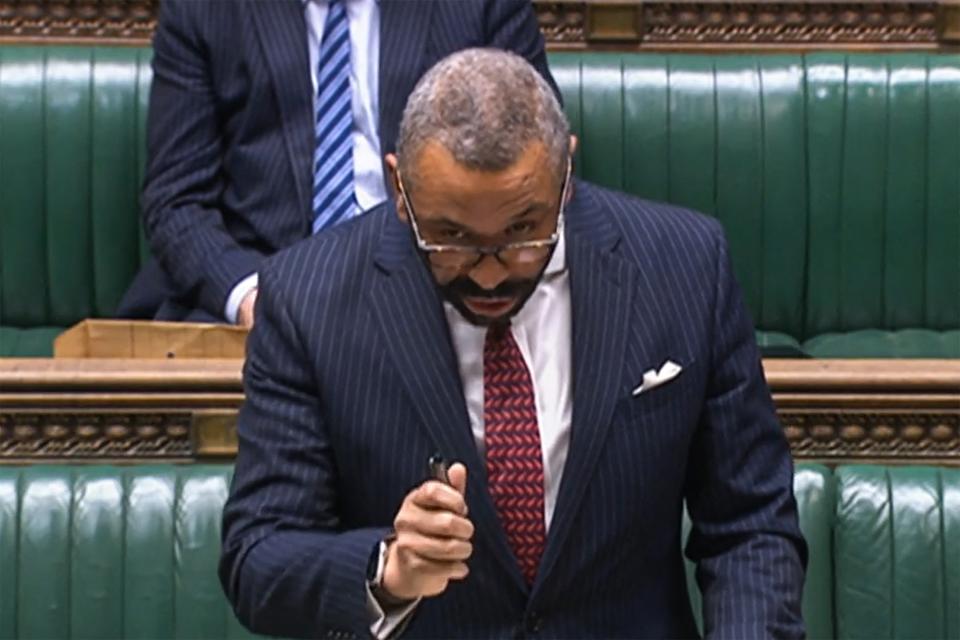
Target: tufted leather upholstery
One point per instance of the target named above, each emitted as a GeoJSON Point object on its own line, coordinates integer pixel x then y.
{"type": "Point", "coordinates": [897, 552]}
{"type": "Point", "coordinates": [836, 177]}
{"type": "Point", "coordinates": [71, 157]}
{"type": "Point", "coordinates": [131, 552]}
{"type": "Point", "coordinates": [98, 552]}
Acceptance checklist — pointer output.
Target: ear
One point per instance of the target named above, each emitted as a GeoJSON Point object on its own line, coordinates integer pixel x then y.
{"type": "Point", "coordinates": [391, 164]}
{"type": "Point", "coordinates": [573, 144]}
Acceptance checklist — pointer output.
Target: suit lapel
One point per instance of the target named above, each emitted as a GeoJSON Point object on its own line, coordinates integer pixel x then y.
{"type": "Point", "coordinates": [282, 33]}
{"type": "Point", "coordinates": [410, 312]}
{"type": "Point", "coordinates": [601, 287]}
{"type": "Point", "coordinates": [404, 25]}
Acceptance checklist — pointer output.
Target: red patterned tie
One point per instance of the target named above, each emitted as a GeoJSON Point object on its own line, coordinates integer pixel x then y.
{"type": "Point", "coordinates": [512, 439]}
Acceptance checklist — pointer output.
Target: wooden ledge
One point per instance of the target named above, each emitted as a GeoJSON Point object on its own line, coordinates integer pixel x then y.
{"type": "Point", "coordinates": [872, 375]}
{"type": "Point", "coordinates": [783, 374]}
{"type": "Point", "coordinates": [41, 374]}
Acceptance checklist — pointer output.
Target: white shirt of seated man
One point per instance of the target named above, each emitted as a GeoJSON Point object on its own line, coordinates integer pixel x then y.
{"type": "Point", "coordinates": [364, 23]}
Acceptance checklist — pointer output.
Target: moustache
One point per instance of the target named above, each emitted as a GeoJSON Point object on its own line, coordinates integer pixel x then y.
{"type": "Point", "coordinates": [464, 287]}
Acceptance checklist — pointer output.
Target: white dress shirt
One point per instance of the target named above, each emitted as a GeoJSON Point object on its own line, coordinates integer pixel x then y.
{"type": "Point", "coordinates": [363, 18]}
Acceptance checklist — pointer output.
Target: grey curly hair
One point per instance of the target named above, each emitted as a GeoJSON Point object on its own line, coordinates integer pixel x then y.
{"type": "Point", "coordinates": [484, 106]}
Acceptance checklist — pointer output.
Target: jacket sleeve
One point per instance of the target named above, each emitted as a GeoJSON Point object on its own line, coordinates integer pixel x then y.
{"type": "Point", "coordinates": [183, 182]}
{"type": "Point", "coordinates": [512, 25]}
{"type": "Point", "coordinates": [289, 566]}
{"type": "Point", "coordinates": [745, 538]}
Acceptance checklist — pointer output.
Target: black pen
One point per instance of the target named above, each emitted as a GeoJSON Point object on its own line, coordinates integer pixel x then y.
{"type": "Point", "coordinates": [438, 468]}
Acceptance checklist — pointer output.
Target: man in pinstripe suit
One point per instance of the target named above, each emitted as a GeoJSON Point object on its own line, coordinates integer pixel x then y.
{"type": "Point", "coordinates": [234, 137]}
{"type": "Point", "coordinates": [586, 358]}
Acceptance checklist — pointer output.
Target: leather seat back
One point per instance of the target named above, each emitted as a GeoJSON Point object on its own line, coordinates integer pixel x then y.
{"type": "Point", "coordinates": [835, 175]}
{"type": "Point", "coordinates": [106, 552]}
{"type": "Point", "coordinates": [132, 552]}
{"type": "Point", "coordinates": [71, 157]}
{"type": "Point", "coordinates": [883, 181]}
{"type": "Point", "coordinates": [897, 552]}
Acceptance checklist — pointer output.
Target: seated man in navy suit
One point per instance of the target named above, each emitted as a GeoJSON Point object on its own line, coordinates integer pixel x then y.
{"type": "Point", "coordinates": [584, 356]}
{"type": "Point", "coordinates": [268, 122]}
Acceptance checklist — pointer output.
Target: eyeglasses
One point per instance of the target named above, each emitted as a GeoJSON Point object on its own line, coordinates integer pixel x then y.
{"type": "Point", "coordinates": [462, 257]}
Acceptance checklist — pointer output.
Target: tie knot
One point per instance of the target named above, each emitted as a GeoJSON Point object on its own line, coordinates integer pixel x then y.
{"type": "Point", "coordinates": [498, 332]}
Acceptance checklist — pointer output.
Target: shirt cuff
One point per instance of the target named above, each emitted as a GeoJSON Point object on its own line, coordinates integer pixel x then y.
{"type": "Point", "coordinates": [237, 294]}
{"type": "Point", "coordinates": [386, 623]}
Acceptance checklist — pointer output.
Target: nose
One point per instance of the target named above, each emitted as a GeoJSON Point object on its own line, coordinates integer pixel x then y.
{"type": "Point", "coordinates": [489, 273]}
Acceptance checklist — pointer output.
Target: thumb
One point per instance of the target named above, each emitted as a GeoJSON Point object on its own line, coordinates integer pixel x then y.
{"type": "Point", "coordinates": [458, 477]}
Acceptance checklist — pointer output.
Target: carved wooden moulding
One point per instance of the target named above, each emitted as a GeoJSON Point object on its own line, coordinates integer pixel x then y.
{"type": "Point", "coordinates": [580, 23]}
{"type": "Point", "coordinates": [873, 435]}
{"type": "Point", "coordinates": [842, 435]}
{"type": "Point", "coordinates": [132, 20]}
{"type": "Point", "coordinates": [30, 435]}
{"type": "Point", "coordinates": [680, 25]}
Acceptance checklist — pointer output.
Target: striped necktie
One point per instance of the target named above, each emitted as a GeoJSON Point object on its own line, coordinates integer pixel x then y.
{"type": "Point", "coordinates": [511, 437]}
{"type": "Point", "coordinates": [333, 196]}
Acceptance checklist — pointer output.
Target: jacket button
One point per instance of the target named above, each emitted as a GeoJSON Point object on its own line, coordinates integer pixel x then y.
{"type": "Point", "coordinates": [533, 623]}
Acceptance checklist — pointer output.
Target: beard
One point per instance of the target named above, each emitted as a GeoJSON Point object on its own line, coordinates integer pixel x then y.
{"type": "Point", "coordinates": [463, 287]}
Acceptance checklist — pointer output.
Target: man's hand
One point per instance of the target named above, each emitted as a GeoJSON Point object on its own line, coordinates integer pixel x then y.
{"type": "Point", "coordinates": [245, 312]}
{"type": "Point", "coordinates": [433, 539]}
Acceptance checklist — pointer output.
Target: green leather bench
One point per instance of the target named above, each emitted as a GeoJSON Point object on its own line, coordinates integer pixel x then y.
{"type": "Point", "coordinates": [72, 143]}
{"type": "Point", "coordinates": [836, 176]}
{"type": "Point", "coordinates": [131, 552]}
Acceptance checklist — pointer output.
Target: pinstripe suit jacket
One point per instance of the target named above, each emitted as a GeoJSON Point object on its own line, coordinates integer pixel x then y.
{"type": "Point", "coordinates": [231, 135]}
{"type": "Point", "coordinates": [351, 383]}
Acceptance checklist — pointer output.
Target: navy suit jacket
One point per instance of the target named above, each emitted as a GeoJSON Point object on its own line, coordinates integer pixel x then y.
{"type": "Point", "coordinates": [230, 131]}
{"type": "Point", "coordinates": [351, 383]}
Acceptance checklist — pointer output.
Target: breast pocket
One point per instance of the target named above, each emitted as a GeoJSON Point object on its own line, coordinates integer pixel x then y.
{"type": "Point", "coordinates": [681, 394]}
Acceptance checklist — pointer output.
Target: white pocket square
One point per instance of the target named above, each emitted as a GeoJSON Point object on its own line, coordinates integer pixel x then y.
{"type": "Point", "coordinates": [653, 378]}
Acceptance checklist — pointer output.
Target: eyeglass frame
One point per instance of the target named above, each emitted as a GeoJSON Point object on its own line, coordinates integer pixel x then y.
{"type": "Point", "coordinates": [482, 252]}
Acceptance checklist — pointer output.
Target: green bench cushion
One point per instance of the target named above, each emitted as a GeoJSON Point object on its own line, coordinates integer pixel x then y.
{"type": "Point", "coordinates": [776, 344]}
{"type": "Point", "coordinates": [874, 343]}
{"type": "Point", "coordinates": [27, 343]}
